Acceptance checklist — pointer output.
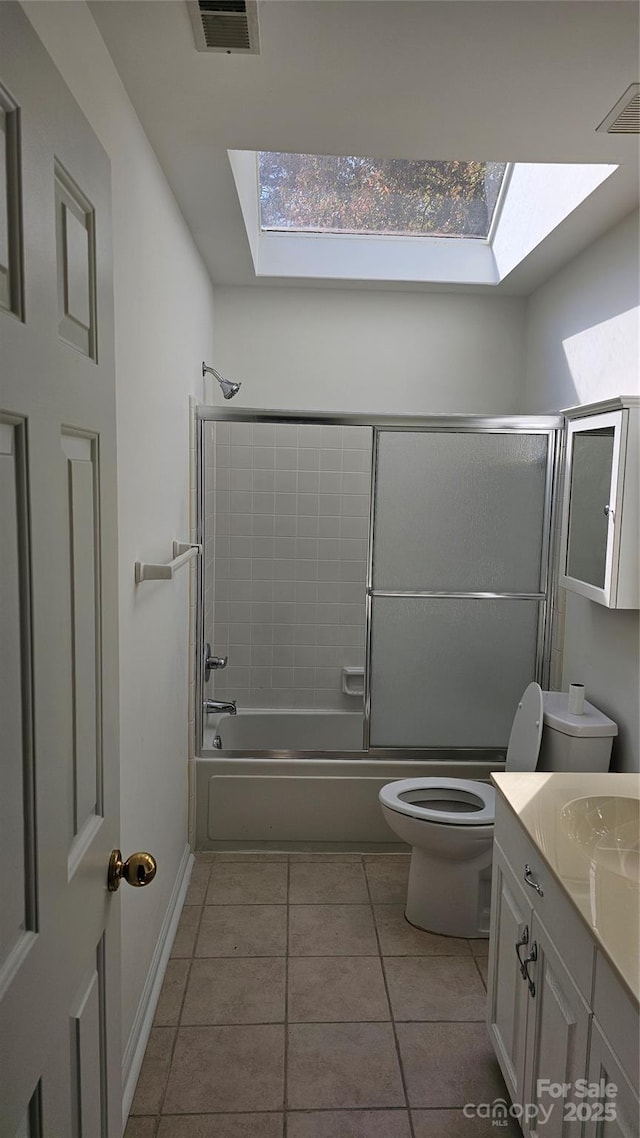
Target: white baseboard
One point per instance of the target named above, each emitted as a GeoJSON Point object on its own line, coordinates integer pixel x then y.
{"type": "Point", "coordinates": [139, 1037]}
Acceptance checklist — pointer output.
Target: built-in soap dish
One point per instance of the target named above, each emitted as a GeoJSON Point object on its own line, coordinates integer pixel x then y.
{"type": "Point", "coordinates": [353, 681]}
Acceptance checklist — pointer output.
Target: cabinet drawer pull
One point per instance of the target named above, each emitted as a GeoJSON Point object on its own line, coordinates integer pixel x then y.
{"type": "Point", "coordinates": [530, 880]}
{"type": "Point", "coordinates": [524, 939]}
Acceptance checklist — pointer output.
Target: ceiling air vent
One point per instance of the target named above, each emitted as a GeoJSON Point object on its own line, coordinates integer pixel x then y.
{"type": "Point", "coordinates": [624, 118]}
{"type": "Point", "coordinates": [230, 26]}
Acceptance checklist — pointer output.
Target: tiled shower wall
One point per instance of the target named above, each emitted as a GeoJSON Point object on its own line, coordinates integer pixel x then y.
{"type": "Point", "coordinates": [286, 520]}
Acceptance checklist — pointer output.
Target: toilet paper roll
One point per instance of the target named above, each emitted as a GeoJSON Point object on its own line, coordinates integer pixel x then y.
{"type": "Point", "coordinates": [576, 699]}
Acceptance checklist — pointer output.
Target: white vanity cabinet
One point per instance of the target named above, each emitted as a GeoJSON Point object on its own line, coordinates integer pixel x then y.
{"type": "Point", "coordinates": [619, 1116]}
{"type": "Point", "coordinates": [508, 995]}
{"type": "Point", "coordinates": [613, 1053]}
{"type": "Point", "coordinates": [599, 556]}
{"type": "Point", "coordinates": [538, 1017]}
{"type": "Point", "coordinates": [547, 983]}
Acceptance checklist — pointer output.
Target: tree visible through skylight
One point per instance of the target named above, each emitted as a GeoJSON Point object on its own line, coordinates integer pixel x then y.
{"type": "Point", "coordinates": [316, 193]}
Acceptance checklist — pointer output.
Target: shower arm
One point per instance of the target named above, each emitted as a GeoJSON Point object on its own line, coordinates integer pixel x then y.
{"type": "Point", "coordinates": [212, 371]}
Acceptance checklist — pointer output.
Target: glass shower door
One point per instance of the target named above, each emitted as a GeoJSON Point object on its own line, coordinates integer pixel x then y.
{"type": "Point", "coordinates": [458, 580]}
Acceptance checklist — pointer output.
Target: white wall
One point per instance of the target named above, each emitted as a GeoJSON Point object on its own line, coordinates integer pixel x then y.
{"type": "Point", "coordinates": [163, 310]}
{"type": "Point", "coordinates": [582, 340]}
{"type": "Point", "coordinates": [353, 350]}
{"type": "Point", "coordinates": [583, 328]}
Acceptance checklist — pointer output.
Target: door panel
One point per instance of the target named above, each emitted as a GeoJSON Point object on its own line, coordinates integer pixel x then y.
{"type": "Point", "coordinates": [79, 454]}
{"type": "Point", "coordinates": [76, 259]}
{"type": "Point", "coordinates": [59, 1033]}
{"type": "Point", "coordinates": [17, 829]}
{"type": "Point", "coordinates": [614, 1115]}
{"type": "Point", "coordinates": [507, 989]}
{"type": "Point", "coordinates": [557, 1034]}
{"type": "Point", "coordinates": [31, 1124]}
{"type": "Point", "coordinates": [88, 1076]}
{"type": "Point", "coordinates": [10, 214]}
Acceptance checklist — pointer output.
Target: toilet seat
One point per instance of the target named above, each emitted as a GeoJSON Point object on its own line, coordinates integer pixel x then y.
{"type": "Point", "coordinates": [408, 795]}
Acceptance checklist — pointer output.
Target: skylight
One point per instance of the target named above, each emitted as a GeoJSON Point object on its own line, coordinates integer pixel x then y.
{"type": "Point", "coordinates": [311, 217]}
{"type": "Point", "coordinates": [317, 193]}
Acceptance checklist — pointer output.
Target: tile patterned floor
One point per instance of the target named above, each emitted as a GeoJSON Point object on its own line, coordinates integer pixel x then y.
{"type": "Point", "coordinates": [299, 1003]}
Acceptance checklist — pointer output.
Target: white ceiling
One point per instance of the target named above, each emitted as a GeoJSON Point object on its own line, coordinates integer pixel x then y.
{"type": "Point", "coordinates": [495, 80]}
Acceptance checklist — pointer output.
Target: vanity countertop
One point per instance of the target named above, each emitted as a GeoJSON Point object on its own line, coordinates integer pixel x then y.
{"type": "Point", "coordinates": [587, 829]}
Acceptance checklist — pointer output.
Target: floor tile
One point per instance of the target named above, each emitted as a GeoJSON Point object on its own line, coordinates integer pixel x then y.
{"type": "Point", "coordinates": [243, 930]}
{"type": "Point", "coordinates": [331, 930]}
{"type": "Point", "coordinates": [447, 1123]}
{"type": "Point", "coordinates": [198, 883]}
{"type": "Point", "coordinates": [349, 1124]}
{"type": "Point", "coordinates": [336, 989]}
{"type": "Point", "coordinates": [222, 1126]}
{"type": "Point", "coordinates": [435, 988]}
{"type": "Point", "coordinates": [399, 938]}
{"type": "Point", "coordinates": [235, 1069]}
{"type": "Point", "coordinates": [338, 1065]}
{"type": "Point", "coordinates": [483, 967]}
{"type": "Point", "coordinates": [343, 1080]}
{"type": "Point", "coordinates": [236, 991]}
{"type": "Point", "coordinates": [171, 993]}
{"type": "Point", "coordinates": [154, 1071]}
{"type": "Point", "coordinates": [311, 883]}
{"type": "Point", "coordinates": [448, 1064]}
{"type": "Point", "coordinates": [233, 883]}
{"type": "Point", "coordinates": [388, 877]}
{"type": "Point", "coordinates": [141, 1128]}
{"type": "Point", "coordinates": [186, 932]}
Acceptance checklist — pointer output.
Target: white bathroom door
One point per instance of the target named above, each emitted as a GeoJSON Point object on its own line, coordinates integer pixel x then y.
{"type": "Point", "coordinates": [59, 935]}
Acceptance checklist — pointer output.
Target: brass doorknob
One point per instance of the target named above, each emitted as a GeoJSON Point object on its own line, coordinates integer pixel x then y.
{"type": "Point", "coordinates": [139, 869]}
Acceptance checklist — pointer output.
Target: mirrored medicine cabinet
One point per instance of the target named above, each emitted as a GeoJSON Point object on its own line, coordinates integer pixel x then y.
{"type": "Point", "coordinates": [600, 533]}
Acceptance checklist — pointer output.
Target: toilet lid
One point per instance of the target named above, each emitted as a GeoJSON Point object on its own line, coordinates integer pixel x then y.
{"type": "Point", "coordinates": [449, 801]}
{"type": "Point", "coordinates": [526, 731]}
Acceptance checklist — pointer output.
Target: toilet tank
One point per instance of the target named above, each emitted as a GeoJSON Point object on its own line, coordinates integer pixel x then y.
{"type": "Point", "coordinates": [574, 742]}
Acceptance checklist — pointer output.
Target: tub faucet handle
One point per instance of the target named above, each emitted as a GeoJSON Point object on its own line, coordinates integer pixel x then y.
{"type": "Point", "coordinates": [213, 663]}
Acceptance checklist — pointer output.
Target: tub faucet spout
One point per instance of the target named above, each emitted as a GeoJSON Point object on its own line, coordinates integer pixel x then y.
{"type": "Point", "coordinates": [218, 706]}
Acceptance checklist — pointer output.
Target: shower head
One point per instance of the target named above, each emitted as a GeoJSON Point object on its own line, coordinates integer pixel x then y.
{"type": "Point", "coordinates": [229, 389]}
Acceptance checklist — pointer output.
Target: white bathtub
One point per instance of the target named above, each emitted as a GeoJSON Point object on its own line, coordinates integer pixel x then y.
{"type": "Point", "coordinates": [265, 730]}
{"type": "Point", "coordinates": [262, 798]}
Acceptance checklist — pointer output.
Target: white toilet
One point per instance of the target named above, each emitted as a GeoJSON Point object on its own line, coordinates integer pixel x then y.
{"type": "Point", "coordinates": [449, 821]}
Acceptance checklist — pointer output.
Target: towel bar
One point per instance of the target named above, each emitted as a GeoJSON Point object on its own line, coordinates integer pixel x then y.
{"type": "Point", "coordinates": [150, 571]}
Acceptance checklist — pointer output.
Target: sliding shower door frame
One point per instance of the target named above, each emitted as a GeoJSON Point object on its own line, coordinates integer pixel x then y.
{"type": "Point", "coordinates": [472, 425]}
{"type": "Point", "coordinates": [550, 425]}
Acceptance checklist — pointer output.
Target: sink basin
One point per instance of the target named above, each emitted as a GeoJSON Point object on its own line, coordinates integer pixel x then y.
{"type": "Point", "coordinates": [608, 830]}
{"type": "Point", "coordinates": [619, 851]}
